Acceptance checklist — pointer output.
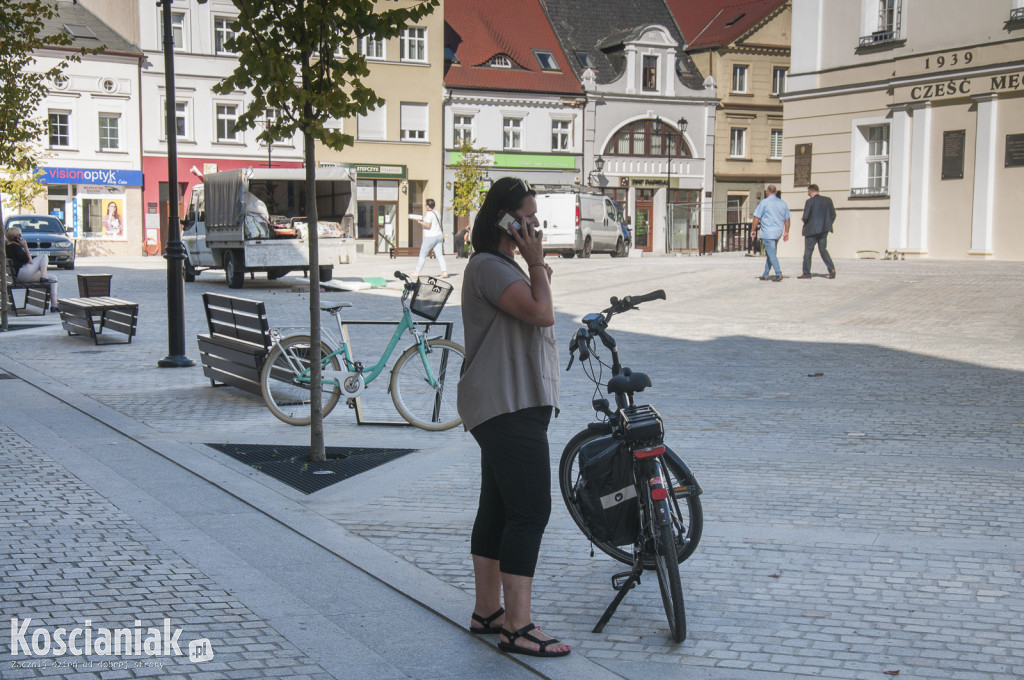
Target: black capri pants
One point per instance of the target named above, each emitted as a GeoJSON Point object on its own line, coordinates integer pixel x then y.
{"type": "Point", "coordinates": [515, 489]}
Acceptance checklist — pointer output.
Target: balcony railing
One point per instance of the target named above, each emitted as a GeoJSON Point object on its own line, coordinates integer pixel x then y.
{"type": "Point", "coordinates": [877, 37]}
{"type": "Point", "coordinates": [1017, 14]}
{"type": "Point", "coordinates": [868, 192]}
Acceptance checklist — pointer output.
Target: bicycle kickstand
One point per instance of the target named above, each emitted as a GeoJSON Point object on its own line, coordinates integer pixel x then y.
{"type": "Point", "coordinates": [632, 578]}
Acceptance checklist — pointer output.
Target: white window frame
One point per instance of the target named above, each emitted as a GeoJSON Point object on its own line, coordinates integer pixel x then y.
{"type": "Point", "coordinates": [182, 111]}
{"type": "Point", "coordinates": [737, 142]}
{"type": "Point", "coordinates": [775, 144]}
{"type": "Point", "coordinates": [512, 133]}
{"type": "Point", "coordinates": [100, 136]}
{"type": "Point", "coordinates": [373, 126]}
{"type": "Point", "coordinates": [500, 61]}
{"type": "Point", "coordinates": [414, 121]}
{"type": "Point", "coordinates": [373, 49]}
{"type": "Point", "coordinates": [463, 128]}
{"type": "Point", "coordinates": [69, 128]}
{"type": "Point", "coordinates": [218, 117]}
{"type": "Point", "coordinates": [549, 57]}
{"type": "Point", "coordinates": [780, 74]}
{"type": "Point", "coordinates": [179, 21]}
{"type": "Point", "coordinates": [411, 43]}
{"type": "Point", "coordinates": [740, 72]}
{"type": "Point", "coordinates": [869, 159]}
{"type": "Point", "coordinates": [221, 34]}
{"type": "Point", "coordinates": [561, 134]}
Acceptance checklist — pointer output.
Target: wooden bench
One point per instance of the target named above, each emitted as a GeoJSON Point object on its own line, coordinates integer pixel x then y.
{"type": "Point", "coordinates": [237, 345]}
{"type": "Point", "coordinates": [94, 285]}
{"type": "Point", "coordinates": [89, 317]}
{"type": "Point", "coordinates": [37, 294]}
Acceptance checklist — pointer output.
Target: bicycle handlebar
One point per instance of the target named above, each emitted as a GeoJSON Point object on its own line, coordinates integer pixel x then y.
{"type": "Point", "coordinates": [631, 301]}
{"type": "Point", "coordinates": [595, 325]}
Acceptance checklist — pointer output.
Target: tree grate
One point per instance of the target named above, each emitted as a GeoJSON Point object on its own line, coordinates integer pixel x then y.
{"type": "Point", "coordinates": [291, 464]}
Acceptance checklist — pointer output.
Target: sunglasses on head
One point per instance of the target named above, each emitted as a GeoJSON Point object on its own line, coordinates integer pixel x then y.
{"type": "Point", "coordinates": [520, 184]}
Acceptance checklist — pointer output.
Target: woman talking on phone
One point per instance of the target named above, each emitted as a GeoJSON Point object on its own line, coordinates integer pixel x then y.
{"type": "Point", "coordinates": [507, 393]}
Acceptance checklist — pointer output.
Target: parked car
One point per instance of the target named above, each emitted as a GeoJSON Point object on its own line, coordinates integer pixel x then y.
{"type": "Point", "coordinates": [578, 223]}
{"type": "Point", "coordinates": [45, 234]}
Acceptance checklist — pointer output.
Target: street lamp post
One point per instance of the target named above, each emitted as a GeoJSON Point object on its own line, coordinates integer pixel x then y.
{"type": "Point", "coordinates": [670, 154]}
{"type": "Point", "coordinates": [174, 252]}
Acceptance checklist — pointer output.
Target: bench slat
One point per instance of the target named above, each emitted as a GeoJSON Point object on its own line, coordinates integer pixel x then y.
{"type": "Point", "coordinates": [234, 351]}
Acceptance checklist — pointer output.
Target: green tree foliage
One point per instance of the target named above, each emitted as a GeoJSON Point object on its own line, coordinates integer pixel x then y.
{"type": "Point", "coordinates": [301, 62]}
{"type": "Point", "coordinates": [469, 179]}
{"type": "Point", "coordinates": [22, 87]}
{"type": "Point", "coordinates": [21, 181]}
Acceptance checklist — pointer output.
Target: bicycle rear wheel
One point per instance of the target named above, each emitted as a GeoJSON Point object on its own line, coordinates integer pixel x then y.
{"type": "Point", "coordinates": [424, 388]}
{"type": "Point", "coordinates": [687, 514]}
{"type": "Point", "coordinates": [285, 395]}
{"type": "Point", "coordinates": [667, 568]}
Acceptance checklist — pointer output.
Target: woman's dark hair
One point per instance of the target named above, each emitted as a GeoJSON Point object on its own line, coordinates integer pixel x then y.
{"type": "Point", "coordinates": [505, 195]}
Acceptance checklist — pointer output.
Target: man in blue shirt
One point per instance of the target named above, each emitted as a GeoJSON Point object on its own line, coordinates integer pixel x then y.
{"type": "Point", "coordinates": [772, 219]}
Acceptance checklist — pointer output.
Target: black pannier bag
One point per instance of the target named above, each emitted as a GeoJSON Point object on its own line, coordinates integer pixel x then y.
{"type": "Point", "coordinates": [605, 492]}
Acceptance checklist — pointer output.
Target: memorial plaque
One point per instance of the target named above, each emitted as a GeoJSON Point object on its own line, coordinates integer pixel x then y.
{"type": "Point", "coordinates": [953, 154]}
{"type": "Point", "coordinates": [1014, 150]}
{"type": "Point", "coordinates": [802, 165]}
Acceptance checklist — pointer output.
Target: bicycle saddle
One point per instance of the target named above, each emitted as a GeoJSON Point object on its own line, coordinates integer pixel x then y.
{"type": "Point", "coordinates": [332, 306]}
{"type": "Point", "coordinates": [628, 382]}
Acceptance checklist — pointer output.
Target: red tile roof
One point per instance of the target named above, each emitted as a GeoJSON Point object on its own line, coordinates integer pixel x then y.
{"type": "Point", "coordinates": [711, 23]}
{"type": "Point", "coordinates": [478, 30]}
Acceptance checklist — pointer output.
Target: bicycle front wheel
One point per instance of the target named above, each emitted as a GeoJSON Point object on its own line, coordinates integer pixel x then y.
{"type": "Point", "coordinates": [286, 394]}
{"type": "Point", "coordinates": [687, 514]}
{"type": "Point", "coordinates": [667, 568]}
{"type": "Point", "coordinates": [424, 387]}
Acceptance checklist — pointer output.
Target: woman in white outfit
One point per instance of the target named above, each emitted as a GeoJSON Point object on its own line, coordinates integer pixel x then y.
{"type": "Point", "coordinates": [27, 268]}
{"type": "Point", "coordinates": [433, 239]}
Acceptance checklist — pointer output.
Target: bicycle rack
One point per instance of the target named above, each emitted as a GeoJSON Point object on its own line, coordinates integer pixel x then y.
{"type": "Point", "coordinates": [360, 420]}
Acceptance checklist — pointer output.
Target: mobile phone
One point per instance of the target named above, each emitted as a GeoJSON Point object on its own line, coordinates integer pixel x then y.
{"type": "Point", "coordinates": [508, 223]}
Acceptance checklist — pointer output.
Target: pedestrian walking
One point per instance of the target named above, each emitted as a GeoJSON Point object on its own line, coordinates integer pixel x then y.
{"type": "Point", "coordinates": [819, 215]}
{"type": "Point", "coordinates": [771, 219]}
{"type": "Point", "coordinates": [433, 239]}
{"type": "Point", "coordinates": [507, 393]}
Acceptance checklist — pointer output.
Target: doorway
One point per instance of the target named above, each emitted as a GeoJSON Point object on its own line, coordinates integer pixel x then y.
{"type": "Point", "coordinates": [642, 219]}
{"type": "Point", "coordinates": [377, 214]}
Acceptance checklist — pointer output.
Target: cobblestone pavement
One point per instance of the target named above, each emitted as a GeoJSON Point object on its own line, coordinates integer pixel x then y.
{"type": "Point", "coordinates": [858, 440]}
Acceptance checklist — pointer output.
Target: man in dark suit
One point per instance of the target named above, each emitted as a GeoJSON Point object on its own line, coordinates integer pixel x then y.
{"type": "Point", "coordinates": [819, 214]}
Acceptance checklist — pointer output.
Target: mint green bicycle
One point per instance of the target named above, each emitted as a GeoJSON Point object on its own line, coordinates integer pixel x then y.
{"type": "Point", "coordinates": [423, 381]}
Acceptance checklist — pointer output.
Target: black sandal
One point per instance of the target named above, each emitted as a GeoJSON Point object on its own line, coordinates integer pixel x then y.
{"type": "Point", "coordinates": [486, 628]}
{"type": "Point", "coordinates": [524, 633]}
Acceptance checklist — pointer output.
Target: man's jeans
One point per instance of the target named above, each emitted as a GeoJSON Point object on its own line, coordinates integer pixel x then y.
{"type": "Point", "coordinates": [771, 246]}
{"type": "Point", "coordinates": [820, 240]}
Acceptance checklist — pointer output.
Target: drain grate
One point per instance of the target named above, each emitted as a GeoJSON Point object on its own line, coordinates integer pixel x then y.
{"type": "Point", "coordinates": [291, 464]}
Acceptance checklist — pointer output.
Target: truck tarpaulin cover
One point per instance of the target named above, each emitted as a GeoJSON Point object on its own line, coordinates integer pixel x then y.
{"type": "Point", "coordinates": [225, 198]}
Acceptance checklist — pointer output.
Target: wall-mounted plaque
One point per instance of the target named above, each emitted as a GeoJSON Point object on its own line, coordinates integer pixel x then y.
{"type": "Point", "coordinates": [1014, 150]}
{"type": "Point", "coordinates": [802, 165]}
{"type": "Point", "coordinates": [953, 154]}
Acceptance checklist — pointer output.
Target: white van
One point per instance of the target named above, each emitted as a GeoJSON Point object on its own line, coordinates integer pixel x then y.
{"type": "Point", "coordinates": [580, 223]}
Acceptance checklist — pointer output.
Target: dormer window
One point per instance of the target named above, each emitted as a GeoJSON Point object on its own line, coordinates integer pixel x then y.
{"type": "Point", "coordinates": [546, 60]}
{"type": "Point", "coordinates": [650, 73]}
{"type": "Point", "coordinates": [501, 61]}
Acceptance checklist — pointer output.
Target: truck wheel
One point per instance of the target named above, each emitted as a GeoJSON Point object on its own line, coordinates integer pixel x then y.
{"type": "Point", "coordinates": [326, 273]}
{"type": "Point", "coordinates": [188, 271]}
{"type": "Point", "coordinates": [588, 247]}
{"type": "Point", "coordinates": [234, 271]}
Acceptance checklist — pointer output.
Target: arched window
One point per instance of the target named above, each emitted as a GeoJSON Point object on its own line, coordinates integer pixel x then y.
{"type": "Point", "coordinates": [649, 137]}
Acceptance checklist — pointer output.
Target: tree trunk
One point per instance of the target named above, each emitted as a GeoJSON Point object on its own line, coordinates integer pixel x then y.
{"type": "Point", "coordinates": [316, 432]}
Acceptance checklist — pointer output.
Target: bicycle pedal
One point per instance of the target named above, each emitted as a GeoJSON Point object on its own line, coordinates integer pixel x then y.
{"type": "Point", "coordinates": [622, 580]}
{"type": "Point", "coordinates": [351, 403]}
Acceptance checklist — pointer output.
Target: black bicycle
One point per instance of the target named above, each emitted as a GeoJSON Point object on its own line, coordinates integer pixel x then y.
{"type": "Point", "coordinates": [629, 493]}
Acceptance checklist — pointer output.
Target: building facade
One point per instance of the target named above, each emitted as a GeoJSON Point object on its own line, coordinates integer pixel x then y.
{"type": "Point", "coordinates": [514, 96]}
{"type": "Point", "coordinates": [744, 47]}
{"type": "Point", "coordinates": [92, 162]}
{"type": "Point", "coordinates": [398, 146]}
{"type": "Point", "coordinates": [909, 114]}
{"type": "Point", "coordinates": [207, 139]}
{"type": "Point", "coordinates": [649, 119]}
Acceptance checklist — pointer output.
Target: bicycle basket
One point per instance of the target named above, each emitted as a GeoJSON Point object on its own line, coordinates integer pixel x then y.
{"type": "Point", "coordinates": [429, 298]}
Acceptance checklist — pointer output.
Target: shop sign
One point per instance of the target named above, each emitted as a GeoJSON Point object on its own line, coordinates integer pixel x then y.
{"type": "Point", "coordinates": [120, 178]}
{"type": "Point", "coordinates": [647, 182]}
{"type": "Point", "coordinates": [522, 161]}
{"type": "Point", "coordinates": [388, 171]}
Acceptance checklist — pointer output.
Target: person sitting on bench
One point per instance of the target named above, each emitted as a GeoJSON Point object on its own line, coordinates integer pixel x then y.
{"type": "Point", "coordinates": [27, 268]}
